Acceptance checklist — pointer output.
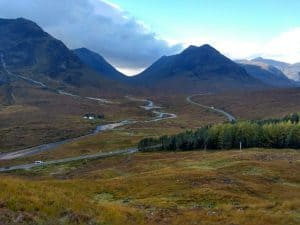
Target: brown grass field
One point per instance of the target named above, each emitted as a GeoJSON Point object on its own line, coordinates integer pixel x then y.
{"type": "Point", "coordinates": [252, 187]}
{"type": "Point", "coordinates": [256, 105]}
{"type": "Point", "coordinates": [44, 117]}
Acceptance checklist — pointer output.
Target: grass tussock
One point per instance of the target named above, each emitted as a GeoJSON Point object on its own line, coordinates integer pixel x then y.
{"type": "Point", "coordinates": [231, 187]}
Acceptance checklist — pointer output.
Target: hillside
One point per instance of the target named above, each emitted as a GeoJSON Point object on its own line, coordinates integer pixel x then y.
{"type": "Point", "coordinates": [196, 69]}
{"type": "Point", "coordinates": [28, 52]}
{"type": "Point", "coordinates": [278, 64]}
{"type": "Point", "coordinates": [25, 46]}
{"type": "Point", "coordinates": [292, 71]}
{"type": "Point", "coordinates": [266, 73]}
{"type": "Point", "coordinates": [99, 64]}
{"type": "Point", "coordinates": [251, 187]}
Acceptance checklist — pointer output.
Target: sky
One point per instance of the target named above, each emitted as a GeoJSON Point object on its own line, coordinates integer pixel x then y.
{"type": "Point", "coordinates": [132, 34]}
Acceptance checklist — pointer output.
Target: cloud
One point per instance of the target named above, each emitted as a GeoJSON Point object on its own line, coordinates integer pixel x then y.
{"type": "Point", "coordinates": [96, 24]}
{"type": "Point", "coordinates": [232, 47]}
{"type": "Point", "coordinates": [128, 43]}
{"type": "Point", "coordinates": [285, 47]}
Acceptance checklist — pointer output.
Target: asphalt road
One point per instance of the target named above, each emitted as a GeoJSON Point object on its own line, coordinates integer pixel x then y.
{"type": "Point", "coordinates": [230, 117]}
{"type": "Point", "coordinates": [158, 115]}
{"type": "Point", "coordinates": [71, 159]}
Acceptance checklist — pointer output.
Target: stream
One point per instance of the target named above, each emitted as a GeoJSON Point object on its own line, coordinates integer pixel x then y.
{"type": "Point", "coordinates": [158, 115]}
{"type": "Point", "coordinates": [150, 106]}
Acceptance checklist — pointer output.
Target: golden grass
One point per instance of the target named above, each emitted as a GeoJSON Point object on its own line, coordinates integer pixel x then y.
{"type": "Point", "coordinates": [43, 117]}
{"type": "Point", "coordinates": [256, 105]}
{"type": "Point", "coordinates": [69, 125]}
{"type": "Point", "coordinates": [40, 116]}
{"type": "Point", "coordinates": [230, 187]}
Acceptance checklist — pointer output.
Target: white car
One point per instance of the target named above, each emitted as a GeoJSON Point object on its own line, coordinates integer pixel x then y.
{"type": "Point", "coordinates": [38, 162]}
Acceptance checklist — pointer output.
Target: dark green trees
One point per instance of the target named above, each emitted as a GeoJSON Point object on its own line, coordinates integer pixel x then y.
{"type": "Point", "coordinates": [272, 133]}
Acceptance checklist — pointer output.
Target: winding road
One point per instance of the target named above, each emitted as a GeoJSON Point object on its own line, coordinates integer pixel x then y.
{"type": "Point", "coordinates": [101, 128]}
{"type": "Point", "coordinates": [158, 115]}
{"type": "Point", "coordinates": [230, 117]}
{"type": "Point", "coordinates": [50, 146]}
{"type": "Point", "coordinates": [150, 106]}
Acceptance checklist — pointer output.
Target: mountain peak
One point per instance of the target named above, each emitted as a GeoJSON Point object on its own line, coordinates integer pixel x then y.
{"type": "Point", "coordinates": [258, 58]}
{"type": "Point", "coordinates": [25, 46]}
{"type": "Point", "coordinates": [20, 21]}
{"type": "Point", "coordinates": [83, 49]}
{"type": "Point", "coordinates": [196, 68]}
{"type": "Point", "coordinates": [87, 53]}
{"type": "Point", "coordinates": [190, 48]}
{"type": "Point", "coordinates": [21, 29]}
{"type": "Point", "coordinates": [206, 48]}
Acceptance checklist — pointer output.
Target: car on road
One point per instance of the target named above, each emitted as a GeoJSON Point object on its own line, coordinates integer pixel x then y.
{"type": "Point", "coordinates": [38, 162]}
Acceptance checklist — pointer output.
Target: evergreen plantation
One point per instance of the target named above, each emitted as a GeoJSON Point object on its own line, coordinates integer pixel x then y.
{"type": "Point", "coordinates": [270, 133]}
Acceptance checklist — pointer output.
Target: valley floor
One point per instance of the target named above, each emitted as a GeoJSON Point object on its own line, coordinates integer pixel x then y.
{"type": "Point", "coordinates": [250, 187]}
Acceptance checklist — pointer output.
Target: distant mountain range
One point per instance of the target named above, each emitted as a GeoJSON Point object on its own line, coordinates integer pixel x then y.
{"type": "Point", "coordinates": [26, 50]}
{"type": "Point", "coordinates": [277, 64]}
{"type": "Point", "coordinates": [266, 73]}
{"type": "Point", "coordinates": [292, 71]}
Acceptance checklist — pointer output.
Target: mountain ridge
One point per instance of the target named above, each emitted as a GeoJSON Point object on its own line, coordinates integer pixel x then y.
{"type": "Point", "coordinates": [292, 71]}
{"type": "Point", "coordinates": [27, 50]}
{"type": "Point", "coordinates": [267, 73]}
{"type": "Point", "coordinates": [196, 69]}
{"type": "Point", "coordinates": [99, 64]}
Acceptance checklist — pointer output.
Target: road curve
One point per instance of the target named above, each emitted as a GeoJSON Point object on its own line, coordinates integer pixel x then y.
{"type": "Point", "coordinates": [158, 115]}
{"type": "Point", "coordinates": [230, 117]}
{"type": "Point", "coordinates": [100, 128]}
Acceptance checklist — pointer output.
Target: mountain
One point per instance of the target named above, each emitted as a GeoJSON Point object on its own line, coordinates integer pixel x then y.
{"type": "Point", "coordinates": [30, 52]}
{"type": "Point", "coordinates": [277, 64]}
{"type": "Point", "coordinates": [6, 94]}
{"type": "Point", "coordinates": [266, 73]}
{"type": "Point", "coordinates": [26, 47]}
{"type": "Point", "coordinates": [99, 64]}
{"type": "Point", "coordinates": [292, 71]}
{"type": "Point", "coordinates": [196, 69]}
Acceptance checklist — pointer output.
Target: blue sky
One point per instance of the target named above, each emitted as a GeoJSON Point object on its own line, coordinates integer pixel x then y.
{"type": "Point", "coordinates": [239, 29]}
{"type": "Point", "coordinates": [258, 19]}
{"type": "Point", "coordinates": [132, 34]}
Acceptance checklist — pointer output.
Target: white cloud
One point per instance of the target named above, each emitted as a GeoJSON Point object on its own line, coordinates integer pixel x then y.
{"type": "Point", "coordinates": [128, 43]}
{"type": "Point", "coordinates": [96, 24]}
{"type": "Point", "coordinates": [112, 5]}
{"type": "Point", "coordinates": [285, 47]}
{"type": "Point", "coordinates": [232, 48]}
{"type": "Point", "coordinates": [130, 71]}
